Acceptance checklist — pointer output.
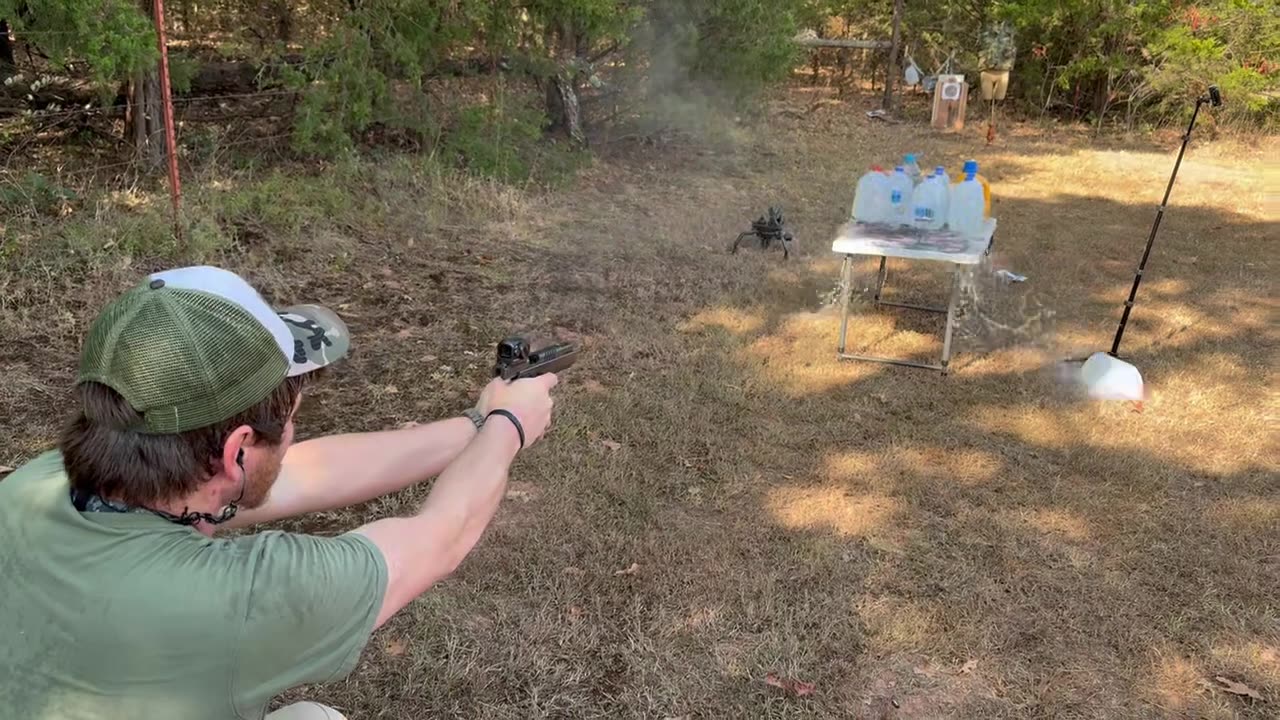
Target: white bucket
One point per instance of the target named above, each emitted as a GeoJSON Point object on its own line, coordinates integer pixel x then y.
{"type": "Point", "coordinates": [1109, 378]}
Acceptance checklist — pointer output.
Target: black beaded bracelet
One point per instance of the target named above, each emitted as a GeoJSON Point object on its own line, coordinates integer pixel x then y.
{"type": "Point", "coordinates": [510, 416]}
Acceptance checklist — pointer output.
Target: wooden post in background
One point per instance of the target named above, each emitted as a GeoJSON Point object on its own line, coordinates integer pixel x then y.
{"type": "Point", "coordinates": [891, 74]}
{"type": "Point", "coordinates": [166, 98]}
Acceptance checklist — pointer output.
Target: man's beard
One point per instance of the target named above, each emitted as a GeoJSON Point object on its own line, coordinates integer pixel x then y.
{"type": "Point", "coordinates": [258, 483]}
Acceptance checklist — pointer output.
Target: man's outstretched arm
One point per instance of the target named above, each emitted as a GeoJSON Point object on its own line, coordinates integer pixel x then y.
{"type": "Point", "coordinates": [336, 471]}
{"type": "Point", "coordinates": [426, 547]}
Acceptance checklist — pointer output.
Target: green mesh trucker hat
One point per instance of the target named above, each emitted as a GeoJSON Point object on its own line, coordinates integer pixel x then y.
{"type": "Point", "coordinates": [192, 346]}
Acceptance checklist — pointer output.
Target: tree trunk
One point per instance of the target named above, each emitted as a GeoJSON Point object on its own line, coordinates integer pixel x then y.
{"type": "Point", "coordinates": [1101, 97]}
{"type": "Point", "coordinates": [570, 107]}
{"type": "Point", "coordinates": [144, 124]}
{"type": "Point", "coordinates": [145, 119]}
{"type": "Point", "coordinates": [184, 14]}
{"type": "Point", "coordinates": [563, 108]}
{"type": "Point", "coordinates": [7, 63]}
{"type": "Point", "coordinates": [842, 66]}
{"type": "Point", "coordinates": [284, 20]}
{"type": "Point", "coordinates": [892, 72]}
{"type": "Point", "coordinates": [814, 56]}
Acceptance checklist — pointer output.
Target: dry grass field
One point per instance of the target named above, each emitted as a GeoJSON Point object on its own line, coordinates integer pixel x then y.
{"type": "Point", "coordinates": [722, 501]}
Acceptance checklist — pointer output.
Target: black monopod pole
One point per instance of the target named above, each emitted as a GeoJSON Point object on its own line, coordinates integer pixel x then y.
{"type": "Point", "coordinates": [1214, 98]}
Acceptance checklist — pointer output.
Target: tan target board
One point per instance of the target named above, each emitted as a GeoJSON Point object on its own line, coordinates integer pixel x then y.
{"type": "Point", "coordinates": [950, 98]}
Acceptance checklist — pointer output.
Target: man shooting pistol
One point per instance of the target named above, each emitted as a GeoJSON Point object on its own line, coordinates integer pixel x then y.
{"type": "Point", "coordinates": [124, 595]}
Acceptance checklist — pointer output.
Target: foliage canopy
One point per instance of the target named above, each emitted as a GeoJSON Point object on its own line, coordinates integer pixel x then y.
{"type": "Point", "coordinates": [362, 64]}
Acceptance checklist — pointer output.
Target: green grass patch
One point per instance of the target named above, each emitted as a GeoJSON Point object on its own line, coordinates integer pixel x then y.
{"type": "Point", "coordinates": [33, 195]}
{"type": "Point", "coordinates": [505, 142]}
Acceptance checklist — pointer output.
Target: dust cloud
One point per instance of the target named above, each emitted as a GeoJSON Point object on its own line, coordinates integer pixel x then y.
{"type": "Point", "coordinates": [677, 97]}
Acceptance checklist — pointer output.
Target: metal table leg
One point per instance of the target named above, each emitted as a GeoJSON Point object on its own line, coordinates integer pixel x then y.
{"type": "Point", "coordinates": [846, 289]}
{"type": "Point", "coordinates": [880, 279]}
{"type": "Point", "coordinates": [951, 318]}
{"type": "Point", "coordinates": [950, 310]}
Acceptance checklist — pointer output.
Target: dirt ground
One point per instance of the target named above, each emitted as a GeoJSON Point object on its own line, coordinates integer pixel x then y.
{"type": "Point", "coordinates": [722, 502]}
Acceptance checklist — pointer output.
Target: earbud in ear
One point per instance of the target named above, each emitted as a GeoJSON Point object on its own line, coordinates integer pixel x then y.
{"type": "Point", "coordinates": [240, 458]}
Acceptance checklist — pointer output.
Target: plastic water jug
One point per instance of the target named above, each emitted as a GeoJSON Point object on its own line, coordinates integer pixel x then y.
{"type": "Point", "coordinates": [986, 194]}
{"type": "Point", "coordinates": [928, 204]}
{"type": "Point", "coordinates": [986, 189]}
{"type": "Point", "coordinates": [940, 174]}
{"type": "Point", "coordinates": [871, 197]}
{"type": "Point", "coordinates": [900, 192]}
{"type": "Point", "coordinates": [966, 214]}
{"type": "Point", "coordinates": [912, 168]}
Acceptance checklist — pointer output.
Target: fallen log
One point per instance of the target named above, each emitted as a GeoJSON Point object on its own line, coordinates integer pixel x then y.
{"type": "Point", "coordinates": [838, 43]}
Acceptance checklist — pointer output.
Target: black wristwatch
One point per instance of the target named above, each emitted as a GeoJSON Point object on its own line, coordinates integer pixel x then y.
{"type": "Point", "coordinates": [475, 416]}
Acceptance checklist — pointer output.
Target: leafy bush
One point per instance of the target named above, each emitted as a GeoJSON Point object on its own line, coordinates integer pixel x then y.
{"type": "Point", "coordinates": [1140, 62]}
{"type": "Point", "coordinates": [34, 194]}
{"type": "Point", "coordinates": [113, 37]}
{"type": "Point", "coordinates": [494, 141]}
{"type": "Point", "coordinates": [1228, 45]}
{"type": "Point", "coordinates": [350, 78]}
{"type": "Point", "coordinates": [182, 70]}
{"type": "Point", "coordinates": [1152, 59]}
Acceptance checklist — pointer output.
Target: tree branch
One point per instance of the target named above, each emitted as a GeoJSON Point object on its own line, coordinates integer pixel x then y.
{"type": "Point", "coordinates": [611, 49]}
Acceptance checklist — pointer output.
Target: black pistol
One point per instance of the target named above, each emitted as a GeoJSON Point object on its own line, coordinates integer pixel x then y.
{"type": "Point", "coordinates": [516, 360]}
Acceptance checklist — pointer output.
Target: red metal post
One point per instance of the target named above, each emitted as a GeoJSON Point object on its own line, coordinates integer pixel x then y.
{"type": "Point", "coordinates": [171, 145]}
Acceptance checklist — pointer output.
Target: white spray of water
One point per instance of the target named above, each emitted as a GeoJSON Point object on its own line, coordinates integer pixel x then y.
{"type": "Point", "coordinates": [994, 312]}
{"type": "Point", "coordinates": [997, 312]}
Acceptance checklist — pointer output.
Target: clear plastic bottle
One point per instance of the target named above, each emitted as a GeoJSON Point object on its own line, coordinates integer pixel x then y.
{"type": "Point", "coordinates": [900, 192]}
{"type": "Point", "coordinates": [871, 197]}
{"type": "Point", "coordinates": [966, 212]}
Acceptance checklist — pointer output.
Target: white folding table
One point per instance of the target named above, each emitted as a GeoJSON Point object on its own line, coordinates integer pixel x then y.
{"type": "Point", "coordinates": [884, 241]}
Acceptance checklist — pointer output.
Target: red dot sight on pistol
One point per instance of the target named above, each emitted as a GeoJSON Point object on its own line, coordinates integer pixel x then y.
{"type": "Point", "coordinates": [516, 360]}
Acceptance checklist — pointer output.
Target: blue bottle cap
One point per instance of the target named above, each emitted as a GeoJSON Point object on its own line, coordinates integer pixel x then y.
{"type": "Point", "coordinates": [970, 166]}
{"type": "Point", "coordinates": [909, 158]}
{"type": "Point", "coordinates": [899, 168]}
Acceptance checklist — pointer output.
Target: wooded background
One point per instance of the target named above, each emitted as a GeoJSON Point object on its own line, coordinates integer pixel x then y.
{"type": "Point", "coordinates": [350, 70]}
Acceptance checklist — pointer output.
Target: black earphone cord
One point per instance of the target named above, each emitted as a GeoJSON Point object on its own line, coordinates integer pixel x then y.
{"type": "Point", "coordinates": [189, 517]}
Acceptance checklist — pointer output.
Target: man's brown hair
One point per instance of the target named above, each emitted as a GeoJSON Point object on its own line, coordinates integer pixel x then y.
{"type": "Point", "coordinates": [107, 452]}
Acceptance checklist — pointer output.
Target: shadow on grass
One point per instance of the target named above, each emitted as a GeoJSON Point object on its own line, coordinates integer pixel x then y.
{"type": "Point", "coordinates": [1075, 548]}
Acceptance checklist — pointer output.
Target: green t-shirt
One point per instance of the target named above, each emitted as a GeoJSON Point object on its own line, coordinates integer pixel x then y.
{"type": "Point", "coordinates": [127, 616]}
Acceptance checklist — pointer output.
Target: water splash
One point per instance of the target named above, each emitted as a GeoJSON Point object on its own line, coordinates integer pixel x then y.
{"type": "Point", "coordinates": [863, 293]}
{"type": "Point", "coordinates": [993, 311]}
{"type": "Point", "coordinates": [996, 312]}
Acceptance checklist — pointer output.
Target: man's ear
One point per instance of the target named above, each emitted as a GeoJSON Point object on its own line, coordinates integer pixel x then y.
{"type": "Point", "coordinates": [233, 450]}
